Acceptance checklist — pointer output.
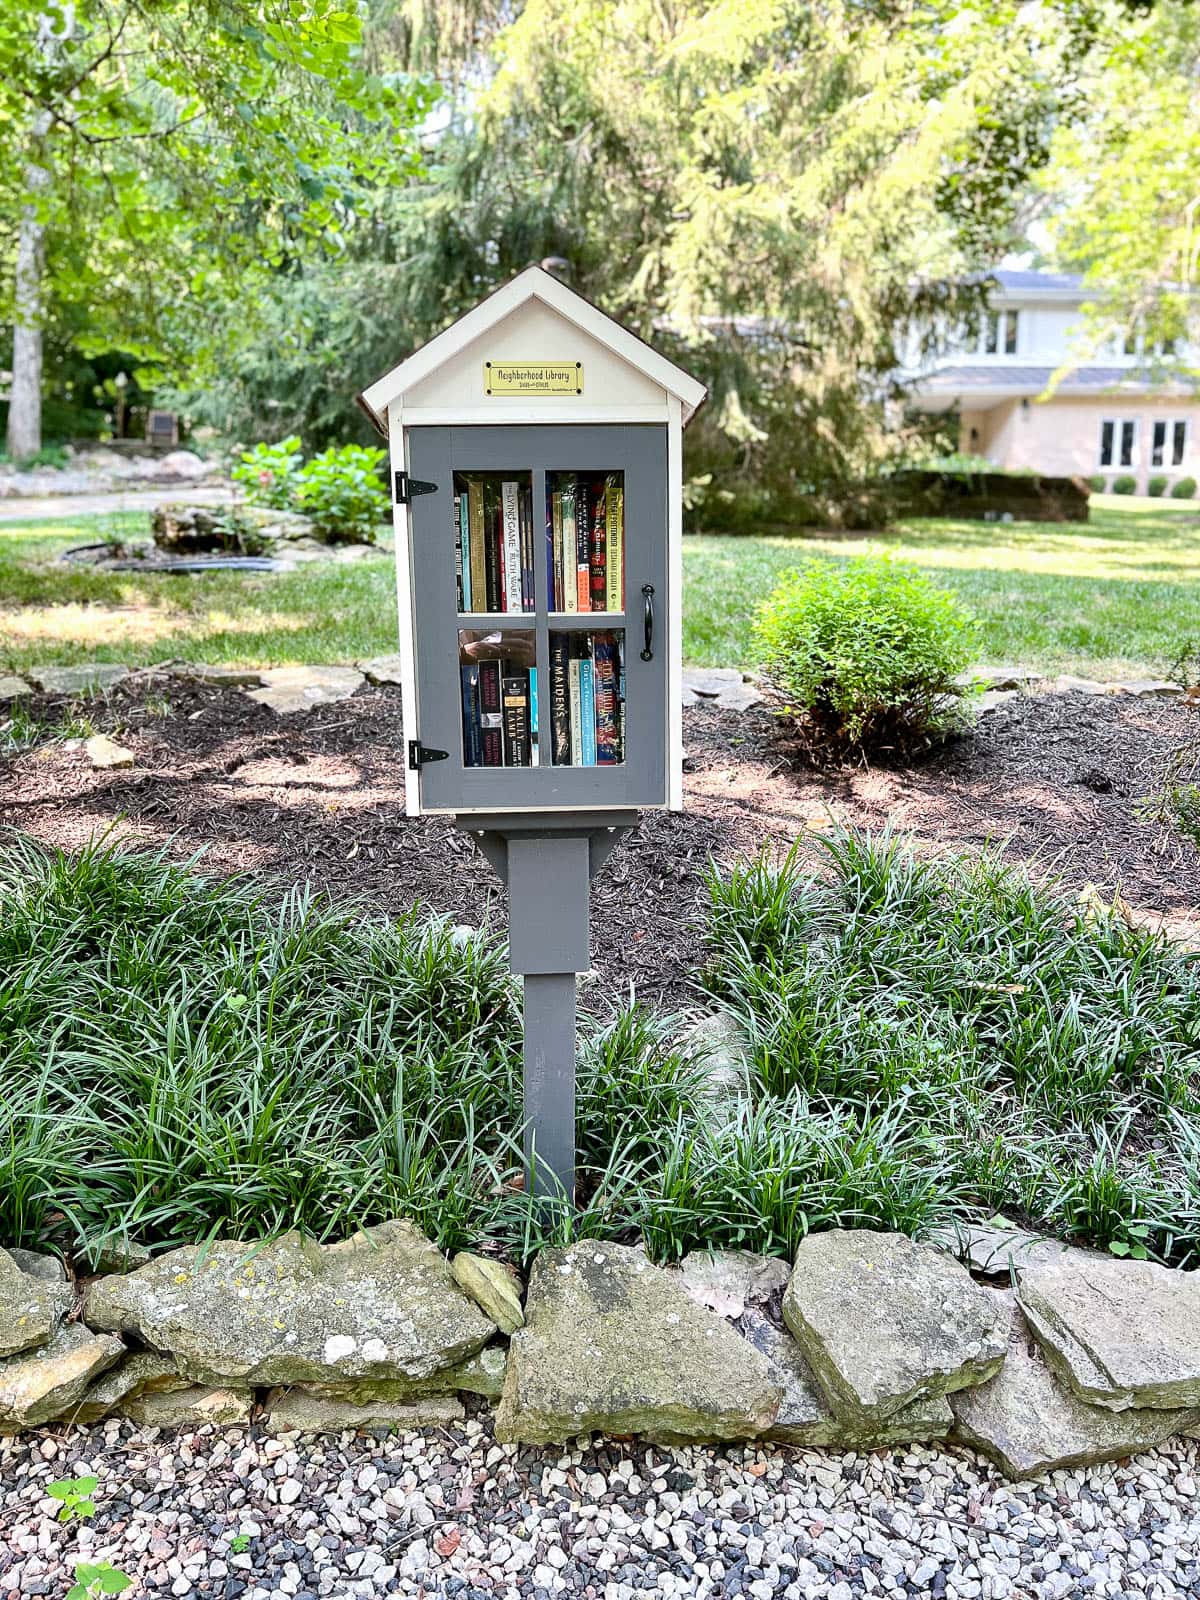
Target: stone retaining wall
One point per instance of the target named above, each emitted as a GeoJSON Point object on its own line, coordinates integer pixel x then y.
{"type": "Point", "coordinates": [867, 1340]}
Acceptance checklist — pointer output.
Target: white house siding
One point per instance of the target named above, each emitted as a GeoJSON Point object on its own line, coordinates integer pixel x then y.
{"type": "Point", "coordinates": [1062, 436]}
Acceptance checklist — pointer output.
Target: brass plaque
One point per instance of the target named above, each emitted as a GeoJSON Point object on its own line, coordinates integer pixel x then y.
{"type": "Point", "coordinates": [533, 377]}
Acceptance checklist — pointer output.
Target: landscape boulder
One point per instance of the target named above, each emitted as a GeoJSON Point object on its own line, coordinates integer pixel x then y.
{"type": "Point", "coordinates": [494, 1287]}
{"type": "Point", "coordinates": [998, 1252]}
{"type": "Point", "coordinates": [141, 1372]}
{"type": "Point", "coordinates": [482, 1374]}
{"type": "Point", "coordinates": [1119, 1333]}
{"type": "Point", "coordinates": [31, 1306]}
{"type": "Point", "coordinates": [288, 689]}
{"type": "Point", "coordinates": [884, 1322]}
{"type": "Point", "coordinates": [614, 1344]}
{"type": "Point", "coordinates": [1028, 1422]}
{"type": "Point", "coordinates": [727, 1281]}
{"type": "Point", "coordinates": [12, 688]}
{"type": "Point", "coordinates": [106, 755]}
{"type": "Point", "coordinates": [380, 1305]}
{"type": "Point", "coordinates": [45, 1383]}
{"type": "Point", "coordinates": [92, 678]}
{"type": "Point", "coordinates": [193, 1406]}
{"type": "Point", "coordinates": [300, 1411]}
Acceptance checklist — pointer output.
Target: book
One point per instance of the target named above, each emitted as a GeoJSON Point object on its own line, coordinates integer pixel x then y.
{"type": "Point", "coordinates": [605, 659]}
{"type": "Point", "coordinates": [472, 732]}
{"type": "Point", "coordinates": [464, 548]}
{"type": "Point", "coordinates": [560, 700]}
{"type": "Point", "coordinates": [574, 675]}
{"type": "Point", "coordinates": [510, 521]}
{"type": "Point", "coordinates": [621, 696]}
{"type": "Point", "coordinates": [614, 521]}
{"type": "Point", "coordinates": [516, 719]}
{"type": "Point", "coordinates": [597, 551]}
{"type": "Point", "coordinates": [491, 546]}
{"type": "Point", "coordinates": [587, 710]}
{"type": "Point", "coordinates": [458, 562]}
{"type": "Point", "coordinates": [534, 741]}
{"type": "Point", "coordinates": [554, 552]}
{"type": "Point", "coordinates": [583, 549]}
{"type": "Point", "coordinates": [478, 545]}
{"type": "Point", "coordinates": [491, 719]}
{"type": "Point", "coordinates": [525, 520]}
{"type": "Point", "coordinates": [570, 587]}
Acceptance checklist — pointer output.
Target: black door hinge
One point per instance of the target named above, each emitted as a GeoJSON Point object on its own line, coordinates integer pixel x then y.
{"type": "Point", "coordinates": [419, 754]}
{"type": "Point", "coordinates": [406, 487]}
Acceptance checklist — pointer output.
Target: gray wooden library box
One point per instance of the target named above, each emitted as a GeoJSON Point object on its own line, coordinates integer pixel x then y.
{"type": "Point", "coordinates": [536, 460]}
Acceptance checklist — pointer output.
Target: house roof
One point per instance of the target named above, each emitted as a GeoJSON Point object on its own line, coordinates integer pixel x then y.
{"type": "Point", "coordinates": [1020, 281]}
{"type": "Point", "coordinates": [1033, 380]}
{"type": "Point", "coordinates": [532, 284]}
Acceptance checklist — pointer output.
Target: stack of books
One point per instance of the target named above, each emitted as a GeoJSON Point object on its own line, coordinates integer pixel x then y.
{"type": "Point", "coordinates": [499, 714]}
{"type": "Point", "coordinates": [585, 541]}
{"type": "Point", "coordinates": [493, 542]}
{"type": "Point", "coordinates": [587, 699]}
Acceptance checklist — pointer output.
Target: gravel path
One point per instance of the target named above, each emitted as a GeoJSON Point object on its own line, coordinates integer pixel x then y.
{"type": "Point", "coordinates": [449, 1513]}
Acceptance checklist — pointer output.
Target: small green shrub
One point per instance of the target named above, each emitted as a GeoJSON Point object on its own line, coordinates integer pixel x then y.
{"type": "Point", "coordinates": [1157, 485]}
{"type": "Point", "coordinates": [342, 491]}
{"type": "Point", "coordinates": [268, 473]}
{"type": "Point", "coordinates": [865, 655]}
{"type": "Point", "coordinates": [1124, 484]}
{"type": "Point", "coordinates": [1184, 489]}
{"type": "Point", "coordinates": [1097, 482]}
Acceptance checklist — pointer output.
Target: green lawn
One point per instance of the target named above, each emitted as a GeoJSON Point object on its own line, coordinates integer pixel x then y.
{"type": "Point", "coordinates": [1119, 595]}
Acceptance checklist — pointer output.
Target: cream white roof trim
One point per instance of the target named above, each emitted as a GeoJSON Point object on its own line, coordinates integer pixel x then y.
{"type": "Point", "coordinates": [534, 284]}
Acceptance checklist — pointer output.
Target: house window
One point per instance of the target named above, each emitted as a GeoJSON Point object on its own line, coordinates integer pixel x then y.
{"type": "Point", "coordinates": [1118, 436]}
{"type": "Point", "coordinates": [999, 333]}
{"type": "Point", "coordinates": [1168, 443]}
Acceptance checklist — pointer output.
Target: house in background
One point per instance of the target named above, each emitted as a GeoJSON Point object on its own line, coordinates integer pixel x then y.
{"type": "Point", "coordinates": [1122, 415]}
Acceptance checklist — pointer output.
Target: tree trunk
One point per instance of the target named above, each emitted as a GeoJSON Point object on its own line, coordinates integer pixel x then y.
{"type": "Point", "coordinates": [25, 397]}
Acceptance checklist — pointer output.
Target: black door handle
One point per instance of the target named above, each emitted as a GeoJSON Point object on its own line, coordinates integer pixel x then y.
{"type": "Point", "coordinates": [648, 646]}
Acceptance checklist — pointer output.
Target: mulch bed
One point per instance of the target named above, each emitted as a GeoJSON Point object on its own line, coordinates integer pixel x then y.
{"type": "Point", "coordinates": [319, 795]}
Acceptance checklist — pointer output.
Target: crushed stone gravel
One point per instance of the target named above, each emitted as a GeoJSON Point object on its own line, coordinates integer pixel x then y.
{"type": "Point", "coordinates": [449, 1512]}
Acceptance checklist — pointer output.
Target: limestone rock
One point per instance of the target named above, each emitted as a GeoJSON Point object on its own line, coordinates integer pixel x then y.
{"type": "Point", "coordinates": [721, 1048]}
{"type": "Point", "coordinates": [726, 687]}
{"type": "Point", "coordinates": [494, 1287]}
{"type": "Point", "coordinates": [141, 1372]}
{"type": "Point", "coordinates": [298, 1411]}
{"type": "Point", "coordinates": [49, 1269]}
{"type": "Point", "coordinates": [13, 688]}
{"type": "Point", "coordinates": [1120, 1333]}
{"type": "Point", "coordinates": [614, 1344]}
{"type": "Point", "coordinates": [383, 669]}
{"type": "Point", "coordinates": [1028, 1422]}
{"type": "Point", "coordinates": [41, 1384]}
{"type": "Point", "coordinates": [380, 1305]}
{"type": "Point", "coordinates": [183, 464]}
{"type": "Point", "coordinates": [993, 699]}
{"type": "Point", "coordinates": [30, 1307]}
{"type": "Point", "coordinates": [884, 1322]}
{"type": "Point", "coordinates": [120, 1255]}
{"type": "Point", "coordinates": [1153, 688]}
{"type": "Point", "coordinates": [997, 1252]}
{"type": "Point", "coordinates": [1068, 683]}
{"type": "Point", "coordinates": [95, 676]}
{"type": "Point", "coordinates": [190, 1407]}
{"type": "Point", "coordinates": [727, 1281]}
{"type": "Point", "coordinates": [289, 689]}
{"type": "Point", "coordinates": [1004, 677]}
{"type": "Point", "coordinates": [482, 1373]}
{"type": "Point", "coordinates": [106, 754]}
{"type": "Point", "coordinates": [805, 1416]}
{"type": "Point", "coordinates": [225, 677]}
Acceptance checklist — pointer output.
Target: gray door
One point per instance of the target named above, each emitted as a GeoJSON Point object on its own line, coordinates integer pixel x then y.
{"type": "Point", "coordinates": [639, 452]}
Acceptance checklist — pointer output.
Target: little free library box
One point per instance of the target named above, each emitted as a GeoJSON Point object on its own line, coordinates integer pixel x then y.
{"type": "Point", "coordinates": [536, 455]}
{"type": "Point", "coordinates": [536, 462]}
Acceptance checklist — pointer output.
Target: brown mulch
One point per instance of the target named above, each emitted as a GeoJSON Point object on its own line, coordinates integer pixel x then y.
{"type": "Point", "coordinates": [319, 795]}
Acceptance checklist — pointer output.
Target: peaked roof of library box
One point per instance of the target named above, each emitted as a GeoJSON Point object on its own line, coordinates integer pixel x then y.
{"type": "Point", "coordinates": [532, 284]}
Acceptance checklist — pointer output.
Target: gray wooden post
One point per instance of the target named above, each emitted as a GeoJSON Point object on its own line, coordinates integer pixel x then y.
{"type": "Point", "coordinates": [549, 870]}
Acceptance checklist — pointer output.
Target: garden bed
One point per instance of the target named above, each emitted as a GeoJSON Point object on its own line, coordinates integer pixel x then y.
{"type": "Point", "coordinates": [1054, 779]}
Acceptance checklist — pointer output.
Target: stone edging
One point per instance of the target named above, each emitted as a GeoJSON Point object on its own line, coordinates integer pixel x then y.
{"type": "Point", "coordinates": [868, 1340]}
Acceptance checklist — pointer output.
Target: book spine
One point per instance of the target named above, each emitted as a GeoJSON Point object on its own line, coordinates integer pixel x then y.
{"type": "Point", "coordinates": [587, 711]}
{"type": "Point", "coordinates": [576, 713]}
{"type": "Point", "coordinates": [464, 544]}
{"type": "Point", "coordinates": [560, 700]}
{"type": "Point", "coordinates": [614, 498]}
{"type": "Point", "coordinates": [583, 549]}
{"type": "Point", "coordinates": [553, 549]}
{"type": "Point", "coordinates": [491, 550]}
{"type": "Point", "coordinates": [620, 697]}
{"type": "Point", "coordinates": [490, 714]}
{"type": "Point", "coordinates": [458, 562]}
{"type": "Point", "coordinates": [535, 752]}
{"type": "Point", "coordinates": [510, 519]}
{"type": "Point", "coordinates": [570, 590]}
{"type": "Point", "coordinates": [525, 508]}
{"type": "Point", "coordinates": [478, 546]}
{"type": "Point", "coordinates": [606, 701]}
{"type": "Point", "coordinates": [597, 554]}
{"type": "Point", "coordinates": [472, 740]}
{"type": "Point", "coordinates": [516, 720]}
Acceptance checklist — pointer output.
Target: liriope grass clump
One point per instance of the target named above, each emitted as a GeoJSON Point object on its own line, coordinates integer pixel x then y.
{"type": "Point", "coordinates": [1045, 1054]}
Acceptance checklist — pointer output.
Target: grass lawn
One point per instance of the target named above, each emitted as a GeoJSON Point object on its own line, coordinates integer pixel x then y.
{"type": "Point", "coordinates": [1119, 595]}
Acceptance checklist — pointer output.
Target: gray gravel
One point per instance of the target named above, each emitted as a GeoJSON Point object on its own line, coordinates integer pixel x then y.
{"type": "Point", "coordinates": [450, 1512]}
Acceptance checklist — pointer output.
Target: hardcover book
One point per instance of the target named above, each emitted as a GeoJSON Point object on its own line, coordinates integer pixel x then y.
{"type": "Point", "coordinates": [605, 659]}
{"type": "Point", "coordinates": [516, 720]}
{"type": "Point", "coordinates": [587, 712]}
{"type": "Point", "coordinates": [614, 506]}
{"type": "Point", "coordinates": [576, 712]}
{"type": "Point", "coordinates": [510, 545]}
{"type": "Point", "coordinates": [472, 735]}
{"type": "Point", "coordinates": [597, 554]}
{"type": "Point", "coordinates": [491, 714]}
{"type": "Point", "coordinates": [560, 700]}
{"type": "Point", "coordinates": [583, 549]}
{"type": "Point", "coordinates": [462, 508]}
{"type": "Point", "coordinates": [478, 550]}
{"type": "Point", "coordinates": [570, 585]}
